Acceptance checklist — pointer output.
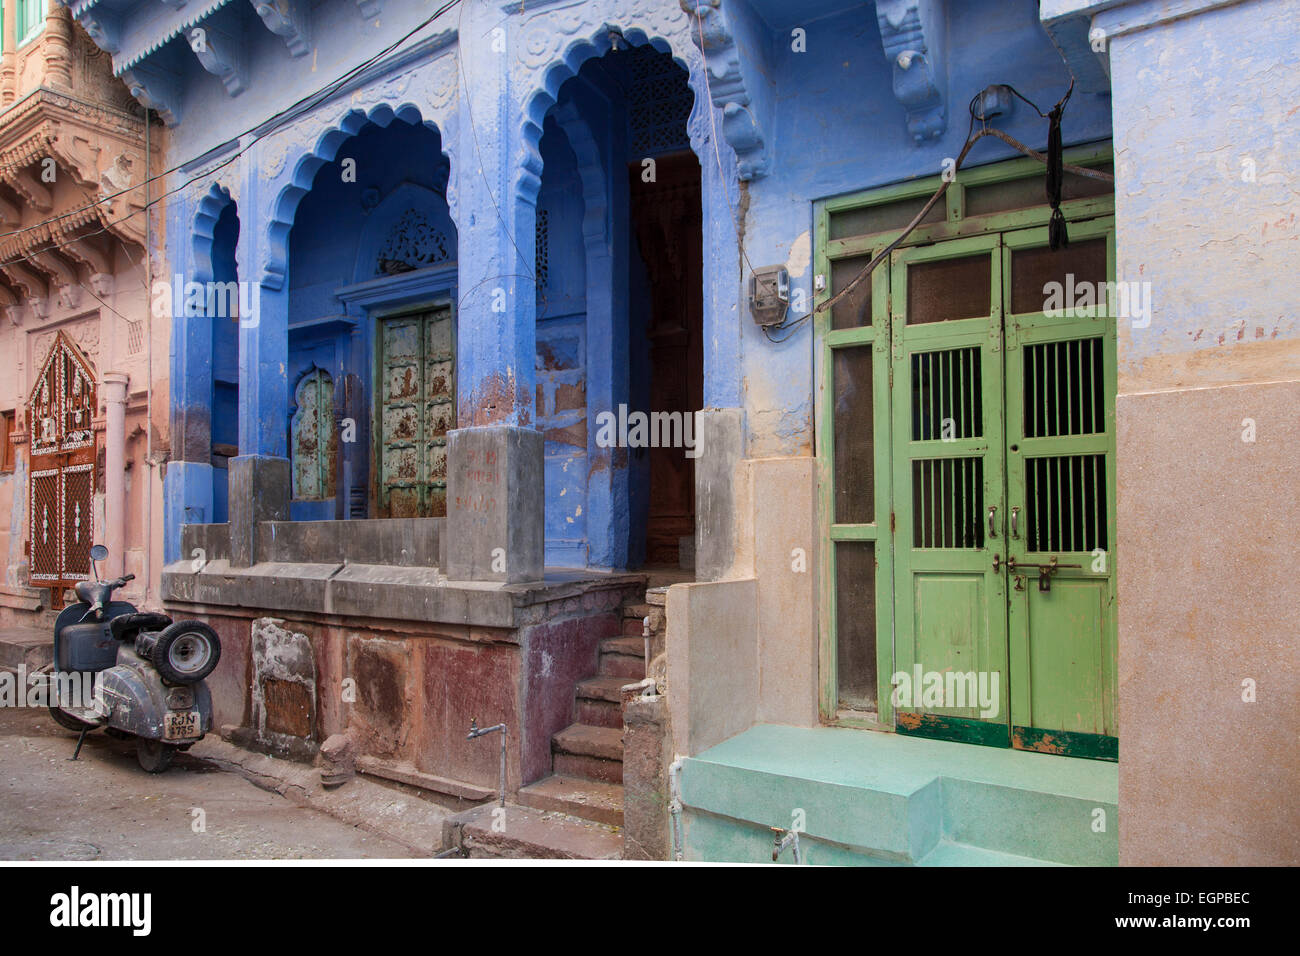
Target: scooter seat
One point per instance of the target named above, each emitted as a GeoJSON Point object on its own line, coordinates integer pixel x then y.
{"type": "Point", "coordinates": [125, 627]}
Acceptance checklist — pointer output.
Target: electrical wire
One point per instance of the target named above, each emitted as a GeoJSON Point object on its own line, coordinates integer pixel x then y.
{"type": "Point", "coordinates": [972, 137]}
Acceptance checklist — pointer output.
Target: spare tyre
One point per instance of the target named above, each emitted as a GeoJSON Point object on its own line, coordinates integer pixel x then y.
{"type": "Point", "coordinates": [185, 652]}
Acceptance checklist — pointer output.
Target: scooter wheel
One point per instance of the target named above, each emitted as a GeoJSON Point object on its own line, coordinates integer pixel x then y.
{"type": "Point", "coordinates": [67, 720]}
{"type": "Point", "coordinates": [186, 652]}
{"type": "Point", "coordinates": [154, 755]}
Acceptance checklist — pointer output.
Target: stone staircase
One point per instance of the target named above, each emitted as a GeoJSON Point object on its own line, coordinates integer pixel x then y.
{"type": "Point", "coordinates": [587, 756]}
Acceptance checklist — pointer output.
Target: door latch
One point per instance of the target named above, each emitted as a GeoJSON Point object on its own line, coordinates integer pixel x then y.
{"type": "Point", "coordinates": [1045, 571]}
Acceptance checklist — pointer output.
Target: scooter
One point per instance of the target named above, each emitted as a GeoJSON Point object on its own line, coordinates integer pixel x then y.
{"type": "Point", "coordinates": [148, 672]}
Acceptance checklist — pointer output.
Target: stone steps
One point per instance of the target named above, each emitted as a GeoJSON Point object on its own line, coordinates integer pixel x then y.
{"type": "Point", "coordinates": [628, 646]}
{"type": "Point", "coordinates": [30, 647]}
{"type": "Point", "coordinates": [587, 756]}
{"type": "Point", "coordinates": [604, 688]}
{"type": "Point", "coordinates": [585, 799]}
{"type": "Point", "coordinates": [516, 832]}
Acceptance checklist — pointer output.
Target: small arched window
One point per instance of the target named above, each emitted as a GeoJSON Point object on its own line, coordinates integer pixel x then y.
{"type": "Point", "coordinates": [314, 438]}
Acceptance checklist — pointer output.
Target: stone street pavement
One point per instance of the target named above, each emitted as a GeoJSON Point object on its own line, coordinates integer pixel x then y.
{"type": "Point", "coordinates": [104, 807]}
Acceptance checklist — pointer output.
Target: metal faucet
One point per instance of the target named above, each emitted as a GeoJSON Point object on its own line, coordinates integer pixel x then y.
{"type": "Point", "coordinates": [476, 731]}
{"type": "Point", "coordinates": [783, 840]}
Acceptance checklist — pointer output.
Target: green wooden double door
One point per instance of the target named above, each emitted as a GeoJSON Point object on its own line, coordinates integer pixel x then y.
{"type": "Point", "coordinates": [1003, 486]}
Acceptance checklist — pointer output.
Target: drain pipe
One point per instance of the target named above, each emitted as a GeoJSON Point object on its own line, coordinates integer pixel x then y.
{"type": "Point", "coordinates": [675, 804]}
{"type": "Point", "coordinates": [474, 731]}
{"type": "Point", "coordinates": [781, 843]}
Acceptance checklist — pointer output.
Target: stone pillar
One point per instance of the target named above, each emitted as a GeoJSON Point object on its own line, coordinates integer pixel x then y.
{"type": "Point", "coordinates": [720, 443]}
{"type": "Point", "coordinates": [495, 504]}
{"type": "Point", "coordinates": [188, 480]}
{"type": "Point", "coordinates": [9, 59]}
{"type": "Point", "coordinates": [259, 475]}
{"type": "Point", "coordinates": [113, 390]}
{"type": "Point", "coordinates": [495, 495]}
{"type": "Point", "coordinates": [496, 344]}
{"type": "Point", "coordinates": [58, 46]}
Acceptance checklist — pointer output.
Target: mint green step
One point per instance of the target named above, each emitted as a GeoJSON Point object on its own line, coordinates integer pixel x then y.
{"type": "Point", "coordinates": [883, 799]}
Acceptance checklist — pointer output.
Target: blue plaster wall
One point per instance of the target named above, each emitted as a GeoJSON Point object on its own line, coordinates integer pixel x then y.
{"type": "Point", "coordinates": [838, 128]}
{"type": "Point", "coordinates": [829, 118]}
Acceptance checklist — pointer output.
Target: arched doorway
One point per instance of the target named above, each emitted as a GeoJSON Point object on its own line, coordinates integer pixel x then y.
{"type": "Point", "coordinates": [620, 313]}
{"type": "Point", "coordinates": [372, 280]}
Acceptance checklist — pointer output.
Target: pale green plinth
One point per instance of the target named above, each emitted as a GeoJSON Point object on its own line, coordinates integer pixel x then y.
{"type": "Point", "coordinates": [883, 799]}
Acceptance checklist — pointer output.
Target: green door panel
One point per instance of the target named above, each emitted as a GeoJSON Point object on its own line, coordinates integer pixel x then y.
{"type": "Point", "coordinates": [1003, 483]}
{"type": "Point", "coordinates": [948, 482]}
{"type": "Point", "coordinates": [1060, 389]}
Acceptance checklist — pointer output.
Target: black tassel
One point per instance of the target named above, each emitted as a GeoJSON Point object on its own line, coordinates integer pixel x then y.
{"type": "Point", "coordinates": [1057, 238]}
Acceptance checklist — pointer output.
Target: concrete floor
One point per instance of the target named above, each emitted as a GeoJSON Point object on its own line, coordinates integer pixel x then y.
{"type": "Point", "coordinates": [104, 807]}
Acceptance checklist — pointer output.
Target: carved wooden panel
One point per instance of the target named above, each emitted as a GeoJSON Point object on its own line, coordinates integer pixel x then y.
{"type": "Point", "coordinates": [60, 411]}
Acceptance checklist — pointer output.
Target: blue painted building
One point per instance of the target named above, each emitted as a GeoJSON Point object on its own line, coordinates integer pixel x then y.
{"type": "Point", "coordinates": [465, 236]}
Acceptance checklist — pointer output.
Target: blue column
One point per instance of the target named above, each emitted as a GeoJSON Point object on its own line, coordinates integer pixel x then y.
{"type": "Point", "coordinates": [259, 475]}
{"type": "Point", "coordinates": [187, 486]}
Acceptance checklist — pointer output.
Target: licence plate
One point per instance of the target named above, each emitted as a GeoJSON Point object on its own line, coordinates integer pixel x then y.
{"type": "Point", "coordinates": [180, 726]}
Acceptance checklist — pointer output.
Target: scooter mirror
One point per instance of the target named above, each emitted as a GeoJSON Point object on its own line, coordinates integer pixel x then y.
{"type": "Point", "coordinates": [98, 552]}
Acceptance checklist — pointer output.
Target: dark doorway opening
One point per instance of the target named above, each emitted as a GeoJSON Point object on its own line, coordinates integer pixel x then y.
{"type": "Point", "coordinates": [668, 362]}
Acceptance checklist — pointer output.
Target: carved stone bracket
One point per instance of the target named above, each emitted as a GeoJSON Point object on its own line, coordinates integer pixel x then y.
{"type": "Point", "coordinates": [287, 19]}
{"type": "Point", "coordinates": [104, 31]}
{"type": "Point", "coordinates": [741, 126]}
{"type": "Point", "coordinates": [35, 192]}
{"type": "Point", "coordinates": [220, 55]}
{"type": "Point", "coordinates": [11, 305]}
{"type": "Point", "coordinates": [63, 274]}
{"type": "Point", "coordinates": [32, 285]}
{"type": "Point", "coordinates": [914, 37]}
{"type": "Point", "coordinates": [157, 89]}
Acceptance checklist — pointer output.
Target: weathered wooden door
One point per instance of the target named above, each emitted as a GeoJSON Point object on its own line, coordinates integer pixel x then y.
{"type": "Point", "coordinates": [1003, 475]}
{"type": "Point", "coordinates": [62, 446]}
{"type": "Point", "coordinates": [417, 406]}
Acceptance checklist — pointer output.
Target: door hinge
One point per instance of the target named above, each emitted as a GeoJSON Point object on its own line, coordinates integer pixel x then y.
{"type": "Point", "coordinates": [892, 524]}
